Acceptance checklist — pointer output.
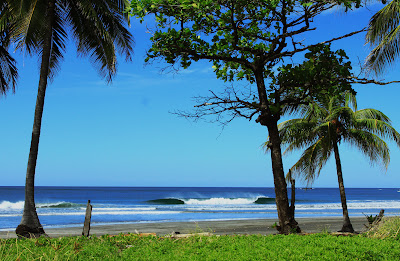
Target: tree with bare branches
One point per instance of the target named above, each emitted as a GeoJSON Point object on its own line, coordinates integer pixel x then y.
{"type": "Point", "coordinates": [247, 40]}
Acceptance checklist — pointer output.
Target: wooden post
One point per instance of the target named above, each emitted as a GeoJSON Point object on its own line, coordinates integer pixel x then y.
{"type": "Point", "coordinates": [88, 216]}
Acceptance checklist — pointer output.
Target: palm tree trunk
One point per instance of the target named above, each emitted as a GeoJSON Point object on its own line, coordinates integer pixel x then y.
{"type": "Point", "coordinates": [347, 227]}
{"type": "Point", "coordinates": [30, 225]}
{"type": "Point", "coordinates": [287, 223]}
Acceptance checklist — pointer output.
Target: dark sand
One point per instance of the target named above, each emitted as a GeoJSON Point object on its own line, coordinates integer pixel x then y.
{"type": "Point", "coordinates": [228, 227]}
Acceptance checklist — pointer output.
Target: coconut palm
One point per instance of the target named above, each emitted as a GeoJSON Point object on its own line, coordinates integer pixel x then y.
{"type": "Point", "coordinates": [384, 35]}
{"type": "Point", "coordinates": [324, 126]}
{"type": "Point", "coordinates": [42, 27]}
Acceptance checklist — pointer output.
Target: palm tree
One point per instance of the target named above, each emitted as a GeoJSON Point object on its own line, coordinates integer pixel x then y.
{"type": "Point", "coordinates": [324, 126]}
{"type": "Point", "coordinates": [8, 69]}
{"type": "Point", "coordinates": [97, 26]}
{"type": "Point", "coordinates": [384, 34]}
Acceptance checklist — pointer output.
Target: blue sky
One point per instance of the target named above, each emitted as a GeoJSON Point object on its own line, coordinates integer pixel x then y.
{"type": "Point", "coordinates": [94, 134]}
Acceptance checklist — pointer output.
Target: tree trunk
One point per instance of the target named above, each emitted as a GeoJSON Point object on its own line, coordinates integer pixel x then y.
{"type": "Point", "coordinates": [30, 225]}
{"type": "Point", "coordinates": [287, 223]}
{"type": "Point", "coordinates": [347, 227]}
{"type": "Point", "coordinates": [293, 193]}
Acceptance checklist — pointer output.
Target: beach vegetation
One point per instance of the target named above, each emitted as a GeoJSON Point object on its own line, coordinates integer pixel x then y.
{"type": "Point", "coordinates": [41, 28]}
{"type": "Point", "coordinates": [252, 247]}
{"type": "Point", "coordinates": [326, 124]}
{"type": "Point", "coordinates": [248, 41]}
{"type": "Point", "coordinates": [388, 227]}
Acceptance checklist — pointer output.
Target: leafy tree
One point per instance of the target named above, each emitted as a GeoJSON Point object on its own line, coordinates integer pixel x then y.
{"type": "Point", "coordinates": [325, 124]}
{"type": "Point", "coordinates": [246, 40]}
{"type": "Point", "coordinates": [384, 34]}
{"type": "Point", "coordinates": [40, 27]}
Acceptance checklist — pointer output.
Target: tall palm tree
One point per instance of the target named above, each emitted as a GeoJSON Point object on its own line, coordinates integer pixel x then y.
{"type": "Point", "coordinates": [41, 27]}
{"type": "Point", "coordinates": [384, 34]}
{"type": "Point", "coordinates": [324, 126]}
{"type": "Point", "coordinates": [8, 69]}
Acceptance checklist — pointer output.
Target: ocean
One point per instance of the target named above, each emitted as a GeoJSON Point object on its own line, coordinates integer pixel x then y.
{"type": "Point", "coordinates": [65, 206]}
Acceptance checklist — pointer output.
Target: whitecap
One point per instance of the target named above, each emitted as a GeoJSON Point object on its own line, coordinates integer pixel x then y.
{"type": "Point", "coordinates": [7, 205]}
{"type": "Point", "coordinates": [220, 201]}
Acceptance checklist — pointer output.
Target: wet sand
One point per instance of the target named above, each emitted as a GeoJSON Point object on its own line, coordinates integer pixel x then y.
{"type": "Point", "coordinates": [226, 227]}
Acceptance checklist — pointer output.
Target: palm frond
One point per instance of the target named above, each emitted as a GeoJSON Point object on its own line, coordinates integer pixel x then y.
{"type": "Point", "coordinates": [379, 128]}
{"type": "Point", "coordinates": [8, 69]}
{"type": "Point", "coordinates": [371, 145]}
{"type": "Point", "coordinates": [99, 33]}
{"type": "Point", "coordinates": [350, 100]}
{"type": "Point", "coordinates": [383, 32]}
{"type": "Point", "coordinates": [372, 114]}
{"type": "Point", "coordinates": [309, 166]}
{"type": "Point", "coordinates": [59, 36]}
{"type": "Point", "coordinates": [383, 22]}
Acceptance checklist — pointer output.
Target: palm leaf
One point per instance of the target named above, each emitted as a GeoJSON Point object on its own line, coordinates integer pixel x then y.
{"type": "Point", "coordinates": [370, 145]}
{"type": "Point", "coordinates": [309, 166]}
{"type": "Point", "coordinates": [8, 69]}
{"type": "Point", "coordinates": [372, 114]}
{"type": "Point", "coordinates": [99, 33]}
{"type": "Point", "coordinates": [383, 32]}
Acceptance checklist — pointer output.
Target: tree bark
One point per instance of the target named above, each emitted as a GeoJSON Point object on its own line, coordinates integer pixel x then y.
{"type": "Point", "coordinates": [30, 225]}
{"type": "Point", "coordinates": [287, 223]}
{"type": "Point", "coordinates": [347, 227]}
{"type": "Point", "coordinates": [293, 194]}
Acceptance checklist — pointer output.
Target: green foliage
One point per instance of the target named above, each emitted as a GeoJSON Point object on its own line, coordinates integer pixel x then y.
{"type": "Point", "coordinates": [324, 73]}
{"type": "Point", "coordinates": [237, 36]}
{"type": "Point", "coordinates": [255, 247]}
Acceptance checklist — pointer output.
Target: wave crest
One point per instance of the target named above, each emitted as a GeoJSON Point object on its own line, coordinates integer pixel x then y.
{"type": "Point", "coordinates": [212, 201]}
{"type": "Point", "coordinates": [61, 204]}
{"type": "Point", "coordinates": [7, 205]}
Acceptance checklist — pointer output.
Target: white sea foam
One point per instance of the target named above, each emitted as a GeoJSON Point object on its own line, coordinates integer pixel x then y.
{"type": "Point", "coordinates": [385, 204]}
{"type": "Point", "coordinates": [127, 209]}
{"type": "Point", "coordinates": [98, 212]}
{"type": "Point", "coordinates": [7, 205]}
{"type": "Point", "coordinates": [220, 201]}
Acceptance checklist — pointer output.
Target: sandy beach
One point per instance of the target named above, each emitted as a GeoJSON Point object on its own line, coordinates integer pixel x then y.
{"type": "Point", "coordinates": [226, 227]}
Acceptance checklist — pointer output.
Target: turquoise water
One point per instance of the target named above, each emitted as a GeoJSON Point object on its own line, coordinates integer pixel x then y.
{"type": "Point", "coordinates": [65, 206]}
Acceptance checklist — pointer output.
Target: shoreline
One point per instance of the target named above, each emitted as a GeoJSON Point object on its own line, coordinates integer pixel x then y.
{"type": "Point", "coordinates": [220, 227]}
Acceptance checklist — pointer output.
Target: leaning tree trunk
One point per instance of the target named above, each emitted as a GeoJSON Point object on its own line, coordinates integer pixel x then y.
{"type": "Point", "coordinates": [287, 223]}
{"type": "Point", "coordinates": [347, 227]}
{"type": "Point", "coordinates": [30, 225]}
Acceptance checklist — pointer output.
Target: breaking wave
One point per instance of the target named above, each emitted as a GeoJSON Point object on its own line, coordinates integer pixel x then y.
{"type": "Point", "coordinates": [7, 205]}
{"type": "Point", "coordinates": [166, 201]}
{"type": "Point", "coordinates": [59, 205]}
{"type": "Point", "coordinates": [212, 201]}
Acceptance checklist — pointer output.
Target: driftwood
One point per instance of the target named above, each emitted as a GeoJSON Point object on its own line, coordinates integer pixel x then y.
{"type": "Point", "coordinates": [378, 218]}
{"type": "Point", "coordinates": [88, 216]}
{"type": "Point", "coordinates": [373, 221]}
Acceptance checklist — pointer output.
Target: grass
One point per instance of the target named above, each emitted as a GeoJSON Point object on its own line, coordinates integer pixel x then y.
{"type": "Point", "coordinates": [389, 227]}
{"type": "Point", "coordinates": [255, 247]}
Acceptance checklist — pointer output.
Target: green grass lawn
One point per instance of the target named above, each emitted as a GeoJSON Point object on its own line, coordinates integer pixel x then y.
{"type": "Point", "coordinates": [255, 247]}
